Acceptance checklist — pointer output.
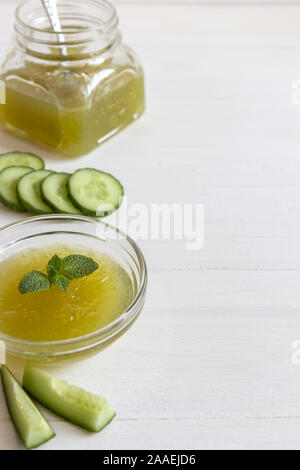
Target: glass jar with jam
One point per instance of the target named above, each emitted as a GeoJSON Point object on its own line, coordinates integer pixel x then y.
{"type": "Point", "coordinates": [70, 91]}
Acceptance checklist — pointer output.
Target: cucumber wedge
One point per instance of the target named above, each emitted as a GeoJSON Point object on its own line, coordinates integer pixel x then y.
{"type": "Point", "coordinates": [30, 424]}
{"type": "Point", "coordinates": [9, 178]}
{"type": "Point", "coordinates": [21, 159]}
{"type": "Point", "coordinates": [72, 403]}
{"type": "Point", "coordinates": [94, 192]}
{"type": "Point", "coordinates": [55, 193]}
{"type": "Point", "coordinates": [29, 192]}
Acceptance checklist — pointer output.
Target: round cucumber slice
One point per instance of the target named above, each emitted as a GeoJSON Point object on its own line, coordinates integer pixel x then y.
{"type": "Point", "coordinates": [72, 403]}
{"type": "Point", "coordinates": [55, 193]}
{"type": "Point", "coordinates": [21, 159]}
{"type": "Point", "coordinates": [94, 192]}
{"type": "Point", "coordinates": [29, 192]}
{"type": "Point", "coordinates": [9, 178]}
{"type": "Point", "coordinates": [30, 424]}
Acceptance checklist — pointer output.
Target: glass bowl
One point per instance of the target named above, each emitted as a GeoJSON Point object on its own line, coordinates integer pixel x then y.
{"type": "Point", "coordinates": [92, 234]}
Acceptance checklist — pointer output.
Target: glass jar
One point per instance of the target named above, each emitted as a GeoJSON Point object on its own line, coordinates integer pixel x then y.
{"type": "Point", "coordinates": [70, 92]}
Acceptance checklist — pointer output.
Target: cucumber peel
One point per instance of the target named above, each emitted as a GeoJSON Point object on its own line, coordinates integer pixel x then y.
{"type": "Point", "coordinates": [21, 159]}
{"type": "Point", "coordinates": [95, 192]}
{"type": "Point", "coordinates": [76, 405]}
{"type": "Point", "coordinates": [55, 194]}
{"type": "Point", "coordinates": [29, 192]}
{"type": "Point", "coordinates": [30, 424]}
{"type": "Point", "coordinates": [9, 178]}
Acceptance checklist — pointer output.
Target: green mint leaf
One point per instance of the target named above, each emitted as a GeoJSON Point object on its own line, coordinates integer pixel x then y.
{"type": "Point", "coordinates": [62, 282]}
{"type": "Point", "coordinates": [34, 281]}
{"type": "Point", "coordinates": [77, 266]}
{"type": "Point", "coordinates": [60, 272]}
{"type": "Point", "coordinates": [54, 266]}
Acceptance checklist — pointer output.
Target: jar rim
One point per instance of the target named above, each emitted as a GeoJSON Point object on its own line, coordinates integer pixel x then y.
{"type": "Point", "coordinates": [110, 23]}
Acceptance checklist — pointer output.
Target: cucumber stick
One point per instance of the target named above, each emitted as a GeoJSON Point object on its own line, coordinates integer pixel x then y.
{"type": "Point", "coordinates": [55, 193]}
{"type": "Point", "coordinates": [31, 426]}
{"type": "Point", "coordinates": [29, 192]}
{"type": "Point", "coordinates": [9, 178]}
{"type": "Point", "coordinates": [72, 403]}
{"type": "Point", "coordinates": [94, 192]}
{"type": "Point", "coordinates": [21, 159]}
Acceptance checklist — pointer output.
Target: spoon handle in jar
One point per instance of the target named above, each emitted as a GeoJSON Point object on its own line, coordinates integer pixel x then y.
{"type": "Point", "coordinates": [52, 14]}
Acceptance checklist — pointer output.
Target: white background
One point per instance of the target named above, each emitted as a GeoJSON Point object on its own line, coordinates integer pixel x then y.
{"type": "Point", "coordinates": [208, 364]}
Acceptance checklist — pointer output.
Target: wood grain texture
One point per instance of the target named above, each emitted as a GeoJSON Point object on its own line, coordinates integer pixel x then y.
{"type": "Point", "coordinates": [208, 365]}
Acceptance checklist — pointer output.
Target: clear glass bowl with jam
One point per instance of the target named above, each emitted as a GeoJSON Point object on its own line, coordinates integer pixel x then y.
{"type": "Point", "coordinates": [70, 92]}
{"type": "Point", "coordinates": [51, 326]}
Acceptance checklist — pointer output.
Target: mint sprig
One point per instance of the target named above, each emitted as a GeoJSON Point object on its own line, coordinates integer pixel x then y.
{"type": "Point", "coordinates": [34, 282]}
{"type": "Point", "coordinates": [60, 271]}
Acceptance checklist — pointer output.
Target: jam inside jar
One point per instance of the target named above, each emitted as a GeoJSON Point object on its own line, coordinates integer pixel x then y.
{"type": "Point", "coordinates": [70, 92]}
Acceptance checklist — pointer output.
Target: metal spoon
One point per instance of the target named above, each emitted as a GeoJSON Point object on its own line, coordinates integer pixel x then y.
{"type": "Point", "coordinates": [52, 14]}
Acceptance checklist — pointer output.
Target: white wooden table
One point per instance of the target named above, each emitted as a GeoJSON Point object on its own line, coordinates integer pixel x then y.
{"type": "Point", "coordinates": [208, 365]}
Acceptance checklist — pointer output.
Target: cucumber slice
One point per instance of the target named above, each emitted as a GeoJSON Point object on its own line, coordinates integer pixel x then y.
{"type": "Point", "coordinates": [55, 193]}
{"type": "Point", "coordinates": [29, 192]}
{"type": "Point", "coordinates": [72, 403]}
{"type": "Point", "coordinates": [94, 192]}
{"type": "Point", "coordinates": [9, 178]}
{"type": "Point", "coordinates": [21, 159]}
{"type": "Point", "coordinates": [30, 424]}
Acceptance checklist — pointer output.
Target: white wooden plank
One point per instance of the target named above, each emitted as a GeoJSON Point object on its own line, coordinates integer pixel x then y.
{"type": "Point", "coordinates": [271, 434]}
